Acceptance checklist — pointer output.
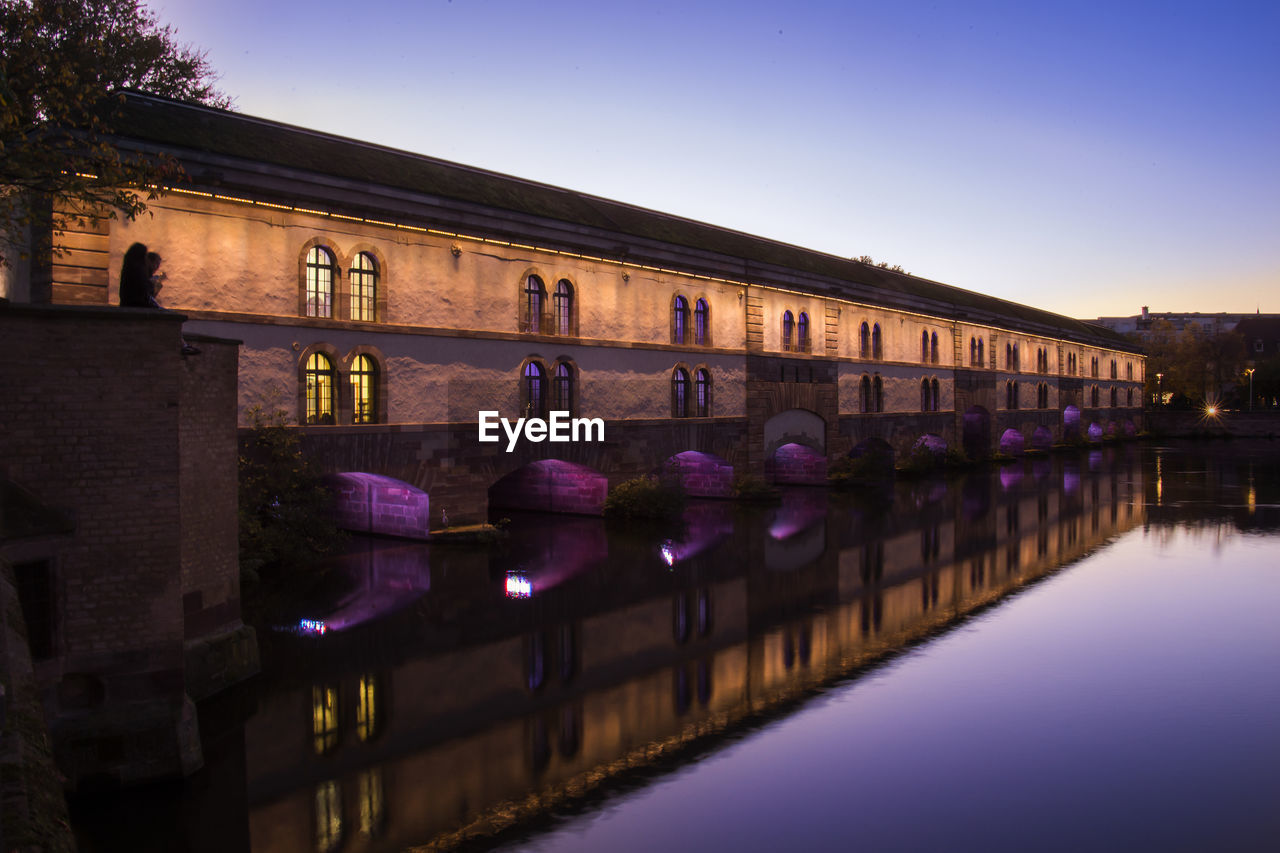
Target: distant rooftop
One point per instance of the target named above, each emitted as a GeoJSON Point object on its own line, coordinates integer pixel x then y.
{"type": "Point", "coordinates": [205, 139]}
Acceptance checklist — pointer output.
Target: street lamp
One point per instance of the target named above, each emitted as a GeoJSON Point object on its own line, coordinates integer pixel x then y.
{"type": "Point", "coordinates": [1160, 388]}
{"type": "Point", "coordinates": [1250, 372]}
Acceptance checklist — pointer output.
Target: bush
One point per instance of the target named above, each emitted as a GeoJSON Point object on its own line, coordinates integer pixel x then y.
{"type": "Point", "coordinates": [749, 488]}
{"type": "Point", "coordinates": [286, 516]}
{"type": "Point", "coordinates": [644, 497]}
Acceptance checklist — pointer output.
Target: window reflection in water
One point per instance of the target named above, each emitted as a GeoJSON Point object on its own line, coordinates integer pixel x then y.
{"type": "Point", "coordinates": [328, 816]}
{"type": "Point", "coordinates": [372, 805]}
{"type": "Point", "coordinates": [324, 718]}
{"type": "Point", "coordinates": [367, 708]}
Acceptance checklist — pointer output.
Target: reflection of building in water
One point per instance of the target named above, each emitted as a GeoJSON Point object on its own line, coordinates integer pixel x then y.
{"type": "Point", "coordinates": [504, 709]}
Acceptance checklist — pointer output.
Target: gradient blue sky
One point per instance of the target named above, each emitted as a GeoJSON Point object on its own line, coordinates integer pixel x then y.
{"type": "Point", "coordinates": [1089, 158]}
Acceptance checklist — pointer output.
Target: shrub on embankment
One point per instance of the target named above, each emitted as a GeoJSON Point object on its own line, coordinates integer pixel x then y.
{"type": "Point", "coordinates": [644, 497]}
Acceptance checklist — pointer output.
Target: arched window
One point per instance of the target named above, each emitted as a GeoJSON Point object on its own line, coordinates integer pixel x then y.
{"type": "Point", "coordinates": [1011, 395]}
{"type": "Point", "coordinates": [1128, 370]}
{"type": "Point", "coordinates": [1114, 373]}
{"type": "Point", "coordinates": [788, 327]}
{"type": "Point", "coordinates": [534, 390]}
{"type": "Point", "coordinates": [1113, 397]}
{"type": "Point", "coordinates": [1093, 396]}
{"type": "Point", "coordinates": [864, 341]}
{"type": "Point", "coordinates": [320, 387]}
{"type": "Point", "coordinates": [1017, 360]}
{"type": "Point", "coordinates": [680, 393]}
{"type": "Point", "coordinates": [973, 351]}
{"type": "Point", "coordinates": [937, 403]}
{"type": "Point", "coordinates": [702, 393]}
{"type": "Point", "coordinates": [319, 282]}
{"type": "Point", "coordinates": [866, 393]}
{"type": "Point", "coordinates": [876, 352]}
{"type": "Point", "coordinates": [702, 323]}
{"type": "Point", "coordinates": [925, 397]}
{"type": "Point", "coordinates": [982, 358]}
{"type": "Point", "coordinates": [933, 348]}
{"type": "Point", "coordinates": [877, 393]}
{"type": "Point", "coordinates": [562, 389]}
{"type": "Point", "coordinates": [364, 385]}
{"type": "Point", "coordinates": [364, 287]}
{"type": "Point", "coordinates": [535, 294]}
{"type": "Point", "coordinates": [679, 320]}
{"type": "Point", "coordinates": [564, 307]}
{"type": "Point", "coordinates": [1093, 367]}
{"type": "Point", "coordinates": [1008, 356]}
{"type": "Point", "coordinates": [802, 332]}
{"type": "Point", "coordinates": [924, 347]}
{"type": "Point", "coordinates": [1128, 396]}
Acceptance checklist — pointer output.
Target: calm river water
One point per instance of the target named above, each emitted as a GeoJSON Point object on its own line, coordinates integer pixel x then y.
{"type": "Point", "coordinates": [1071, 653]}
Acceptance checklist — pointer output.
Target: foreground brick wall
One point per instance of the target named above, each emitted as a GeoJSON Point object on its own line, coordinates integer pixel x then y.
{"type": "Point", "coordinates": [107, 423]}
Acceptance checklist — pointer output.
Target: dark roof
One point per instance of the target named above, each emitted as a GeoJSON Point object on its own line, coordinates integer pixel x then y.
{"type": "Point", "coordinates": [189, 130]}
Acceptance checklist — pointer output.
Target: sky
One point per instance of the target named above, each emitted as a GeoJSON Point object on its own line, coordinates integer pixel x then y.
{"type": "Point", "coordinates": [1085, 157]}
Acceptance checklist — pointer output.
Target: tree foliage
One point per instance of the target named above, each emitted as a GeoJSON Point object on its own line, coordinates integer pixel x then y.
{"type": "Point", "coordinates": [62, 64]}
{"type": "Point", "coordinates": [1196, 364]}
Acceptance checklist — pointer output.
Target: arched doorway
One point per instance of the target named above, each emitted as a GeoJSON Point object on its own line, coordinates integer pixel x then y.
{"type": "Point", "coordinates": [977, 432]}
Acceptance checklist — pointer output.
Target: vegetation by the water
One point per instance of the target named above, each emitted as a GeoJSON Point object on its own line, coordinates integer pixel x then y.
{"type": "Point", "coordinates": [753, 489]}
{"type": "Point", "coordinates": [644, 497]}
{"type": "Point", "coordinates": [285, 513]}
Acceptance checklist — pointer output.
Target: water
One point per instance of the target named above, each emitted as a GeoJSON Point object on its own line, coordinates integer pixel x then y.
{"type": "Point", "coordinates": [1076, 653]}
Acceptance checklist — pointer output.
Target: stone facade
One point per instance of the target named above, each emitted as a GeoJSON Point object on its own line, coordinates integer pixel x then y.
{"type": "Point", "coordinates": [496, 294]}
{"type": "Point", "coordinates": [109, 427]}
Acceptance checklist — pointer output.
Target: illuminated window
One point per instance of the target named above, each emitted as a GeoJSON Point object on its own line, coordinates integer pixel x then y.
{"type": "Point", "coordinates": [702, 323]}
{"type": "Point", "coordinates": [364, 287]}
{"type": "Point", "coordinates": [319, 377]}
{"type": "Point", "coordinates": [702, 393]}
{"type": "Point", "coordinates": [373, 810]}
{"type": "Point", "coordinates": [680, 393]}
{"type": "Point", "coordinates": [533, 390]}
{"type": "Point", "coordinates": [367, 708]}
{"type": "Point", "coordinates": [788, 327]}
{"type": "Point", "coordinates": [802, 332]}
{"type": "Point", "coordinates": [562, 388]}
{"type": "Point", "coordinates": [324, 718]}
{"type": "Point", "coordinates": [864, 341]}
{"type": "Point", "coordinates": [364, 383]}
{"type": "Point", "coordinates": [531, 306]}
{"type": "Point", "coordinates": [319, 282]}
{"type": "Point", "coordinates": [679, 320]}
{"type": "Point", "coordinates": [328, 817]}
{"type": "Point", "coordinates": [564, 307]}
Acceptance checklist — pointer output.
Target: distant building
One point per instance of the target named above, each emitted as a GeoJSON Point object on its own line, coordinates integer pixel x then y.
{"type": "Point", "coordinates": [1214, 324]}
{"type": "Point", "coordinates": [1261, 335]}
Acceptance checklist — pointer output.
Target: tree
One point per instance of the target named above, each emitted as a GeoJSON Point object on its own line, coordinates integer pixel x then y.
{"type": "Point", "coordinates": [62, 64]}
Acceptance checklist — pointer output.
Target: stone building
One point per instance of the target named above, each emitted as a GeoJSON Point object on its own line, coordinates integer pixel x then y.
{"type": "Point", "coordinates": [385, 299]}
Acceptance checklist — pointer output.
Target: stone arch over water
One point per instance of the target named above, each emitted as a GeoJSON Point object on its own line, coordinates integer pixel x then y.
{"type": "Point", "coordinates": [795, 426]}
{"type": "Point", "coordinates": [1012, 442]}
{"type": "Point", "coordinates": [701, 475]}
{"type": "Point", "coordinates": [375, 503]}
{"type": "Point", "coordinates": [551, 485]}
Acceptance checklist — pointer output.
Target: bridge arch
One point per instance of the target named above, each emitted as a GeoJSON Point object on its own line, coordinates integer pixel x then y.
{"type": "Point", "coordinates": [1012, 443]}
{"type": "Point", "coordinates": [1042, 438]}
{"type": "Point", "coordinates": [376, 503]}
{"type": "Point", "coordinates": [701, 475]}
{"type": "Point", "coordinates": [551, 485]}
{"type": "Point", "coordinates": [795, 426]}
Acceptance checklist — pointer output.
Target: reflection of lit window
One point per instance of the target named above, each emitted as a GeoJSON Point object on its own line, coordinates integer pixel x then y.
{"type": "Point", "coordinates": [372, 808]}
{"type": "Point", "coordinates": [680, 618]}
{"type": "Point", "coordinates": [367, 708]}
{"type": "Point", "coordinates": [324, 718]}
{"type": "Point", "coordinates": [328, 816]}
